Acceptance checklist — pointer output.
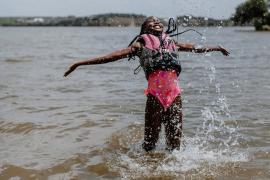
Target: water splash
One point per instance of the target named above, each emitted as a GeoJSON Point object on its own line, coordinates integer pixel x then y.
{"type": "Point", "coordinates": [195, 158]}
{"type": "Point", "coordinates": [215, 145]}
{"type": "Point", "coordinates": [203, 39]}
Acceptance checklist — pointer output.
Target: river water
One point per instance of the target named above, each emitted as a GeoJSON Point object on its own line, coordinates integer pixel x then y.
{"type": "Point", "coordinates": [90, 125]}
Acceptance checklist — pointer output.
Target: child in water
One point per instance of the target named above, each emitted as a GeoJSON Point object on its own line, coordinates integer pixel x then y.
{"type": "Point", "coordinates": [159, 59]}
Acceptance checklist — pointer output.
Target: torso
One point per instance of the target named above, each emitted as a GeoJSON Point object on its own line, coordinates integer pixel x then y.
{"type": "Point", "coordinates": [161, 67]}
{"type": "Point", "coordinates": [164, 86]}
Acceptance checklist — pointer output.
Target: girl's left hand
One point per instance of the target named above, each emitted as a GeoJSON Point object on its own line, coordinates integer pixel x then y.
{"type": "Point", "coordinates": [223, 51]}
{"type": "Point", "coordinates": [70, 69]}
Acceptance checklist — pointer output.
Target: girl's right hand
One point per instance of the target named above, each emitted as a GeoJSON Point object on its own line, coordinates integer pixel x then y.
{"type": "Point", "coordinates": [70, 69]}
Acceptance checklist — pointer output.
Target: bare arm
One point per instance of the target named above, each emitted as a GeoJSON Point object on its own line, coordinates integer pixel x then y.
{"type": "Point", "coordinates": [192, 48]}
{"type": "Point", "coordinates": [114, 56]}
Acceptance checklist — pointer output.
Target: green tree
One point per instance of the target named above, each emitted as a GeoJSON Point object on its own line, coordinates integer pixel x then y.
{"type": "Point", "coordinates": [251, 11]}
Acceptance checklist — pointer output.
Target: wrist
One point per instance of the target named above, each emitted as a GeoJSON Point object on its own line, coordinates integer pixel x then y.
{"type": "Point", "coordinates": [76, 64]}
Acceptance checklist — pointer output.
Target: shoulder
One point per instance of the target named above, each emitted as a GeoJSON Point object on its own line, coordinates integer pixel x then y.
{"type": "Point", "coordinates": [136, 46]}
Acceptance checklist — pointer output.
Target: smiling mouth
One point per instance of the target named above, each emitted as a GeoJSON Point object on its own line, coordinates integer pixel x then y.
{"type": "Point", "coordinates": [157, 26]}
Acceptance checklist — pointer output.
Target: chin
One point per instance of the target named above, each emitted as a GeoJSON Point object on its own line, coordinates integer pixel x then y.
{"type": "Point", "coordinates": [156, 33]}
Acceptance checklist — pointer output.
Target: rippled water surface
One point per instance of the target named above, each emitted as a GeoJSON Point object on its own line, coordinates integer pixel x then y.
{"type": "Point", "coordinates": [90, 125]}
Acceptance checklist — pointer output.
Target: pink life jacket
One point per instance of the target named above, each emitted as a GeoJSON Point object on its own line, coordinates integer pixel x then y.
{"type": "Point", "coordinates": [153, 42]}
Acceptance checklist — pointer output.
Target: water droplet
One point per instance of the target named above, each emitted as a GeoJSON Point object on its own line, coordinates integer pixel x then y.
{"type": "Point", "coordinates": [203, 38]}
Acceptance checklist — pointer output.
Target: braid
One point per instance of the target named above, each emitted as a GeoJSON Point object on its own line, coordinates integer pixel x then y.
{"type": "Point", "coordinates": [143, 28]}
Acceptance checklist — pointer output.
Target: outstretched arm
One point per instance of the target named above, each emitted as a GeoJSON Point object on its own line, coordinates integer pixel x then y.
{"type": "Point", "coordinates": [193, 48]}
{"type": "Point", "coordinates": [114, 56]}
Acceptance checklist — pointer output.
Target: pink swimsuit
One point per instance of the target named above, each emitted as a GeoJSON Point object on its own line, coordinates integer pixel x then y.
{"type": "Point", "coordinates": [164, 86]}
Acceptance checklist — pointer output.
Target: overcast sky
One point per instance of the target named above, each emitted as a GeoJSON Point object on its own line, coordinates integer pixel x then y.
{"type": "Point", "coordinates": [160, 8]}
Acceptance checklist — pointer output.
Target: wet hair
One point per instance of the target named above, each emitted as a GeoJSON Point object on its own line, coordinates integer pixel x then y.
{"type": "Point", "coordinates": [144, 27]}
{"type": "Point", "coordinates": [172, 27]}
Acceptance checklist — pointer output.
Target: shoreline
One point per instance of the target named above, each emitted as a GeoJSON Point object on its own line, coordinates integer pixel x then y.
{"type": "Point", "coordinates": [110, 19]}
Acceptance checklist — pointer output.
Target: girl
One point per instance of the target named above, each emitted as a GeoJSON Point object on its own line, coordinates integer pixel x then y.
{"type": "Point", "coordinates": [158, 57]}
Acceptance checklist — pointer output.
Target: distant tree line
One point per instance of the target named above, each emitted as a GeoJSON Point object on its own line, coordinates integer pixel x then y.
{"type": "Point", "coordinates": [111, 19]}
{"type": "Point", "coordinates": [202, 21]}
{"type": "Point", "coordinates": [253, 12]}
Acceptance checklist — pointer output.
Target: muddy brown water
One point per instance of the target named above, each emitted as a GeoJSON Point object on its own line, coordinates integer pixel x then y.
{"type": "Point", "coordinates": [90, 125]}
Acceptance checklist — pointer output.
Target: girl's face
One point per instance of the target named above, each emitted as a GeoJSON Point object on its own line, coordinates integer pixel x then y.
{"type": "Point", "coordinates": [153, 25]}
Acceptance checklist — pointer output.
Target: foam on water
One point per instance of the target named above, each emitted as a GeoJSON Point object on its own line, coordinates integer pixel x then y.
{"type": "Point", "coordinates": [215, 144]}
{"type": "Point", "coordinates": [193, 158]}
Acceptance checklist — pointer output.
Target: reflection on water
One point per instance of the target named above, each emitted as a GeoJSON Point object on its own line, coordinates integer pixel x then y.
{"type": "Point", "coordinates": [90, 125]}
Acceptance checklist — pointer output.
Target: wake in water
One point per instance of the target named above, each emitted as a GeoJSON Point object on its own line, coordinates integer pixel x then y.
{"type": "Point", "coordinates": [214, 149]}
